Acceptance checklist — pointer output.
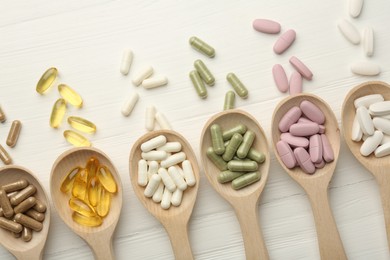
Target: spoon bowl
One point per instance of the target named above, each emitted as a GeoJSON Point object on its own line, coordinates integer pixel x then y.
{"type": "Point", "coordinates": [98, 238]}
{"type": "Point", "coordinates": [19, 248]}
{"type": "Point", "coordinates": [245, 200]}
{"type": "Point", "coordinates": [175, 219]}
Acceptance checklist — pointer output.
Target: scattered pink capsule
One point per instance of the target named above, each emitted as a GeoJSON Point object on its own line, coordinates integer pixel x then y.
{"type": "Point", "coordinates": [301, 68]}
{"type": "Point", "coordinates": [266, 26]}
{"type": "Point", "coordinates": [303, 159]}
{"type": "Point", "coordinates": [286, 154]}
{"type": "Point", "coordinates": [315, 148]}
{"type": "Point", "coordinates": [312, 112]}
{"type": "Point", "coordinates": [295, 141]}
{"type": "Point", "coordinates": [327, 151]}
{"type": "Point", "coordinates": [295, 83]}
{"type": "Point", "coordinates": [284, 41]}
{"type": "Point", "coordinates": [291, 117]}
{"type": "Point", "coordinates": [304, 129]}
{"type": "Point", "coordinates": [280, 78]}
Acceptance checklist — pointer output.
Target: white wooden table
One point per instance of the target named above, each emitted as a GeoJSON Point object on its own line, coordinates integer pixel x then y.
{"type": "Point", "coordinates": [85, 40]}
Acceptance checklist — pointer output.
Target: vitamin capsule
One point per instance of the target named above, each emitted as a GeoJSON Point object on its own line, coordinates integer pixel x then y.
{"type": "Point", "coordinates": [237, 85]}
{"type": "Point", "coordinates": [266, 26]}
{"type": "Point", "coordinates": [129, 105]}
{"type": "Point", "coordinates": [157, 195]}
{"type": "Point", "coordinates": [198, 84]}
{"type": "Point", "coordinates": [81, 207]}
{"type": "Point", "coordinates": [57, 113]}
{"type": "Point", "coordinates": [371, 143]}
{"type": "Point", "coordinates": [10, 225]}
{"type": "Point", "coordinates": [4, 156]}
{"type": "Point", "coordinates": [312, 112]}
{"type": "Point", "coordinates": [153, 168]}
{"type": "Point", "coordinates": [1, 212]}
{"type": "Point", "coordinates": [163, 121]}
{"type": "Point", "coordinates": [246, 144]}
{"type": "Point", "coordinates": [15, 186]}
{"type": "Point", "coordinates": [35, 215]}
{"type": "Point", "coordinates": [368, 100]}
{"type": "Point", "coordinates": [382, 124]}
{"type": "Point", "coordinates": [92, 167]}
{"type": "Point", "coordinates": [28, 222]}
{"type": "Point", "coordinates": [176, 198]}
{"type": "Point", "coordinates": [3, 118]}
{"type": "Point", "coordinates": [27, 234]}
{"type": "Point", "coordinates": [204, 72]}
{"type": "Point", "coordinates": [280, 78]}
{"type": "Point", "coordinates": [67, 183]}
{"type": "Point", "coordinates": [154, 155]}
{"type": "Point", "coordinates": [255, 156]}
{"type": "Point", "coordinates": [154, 82]}
{"type": "Point", "coordinates": [106, 179]}
{"type": "Point", "coordinates": [228, 176]}
{"type": "Point", "coordinates": [245, 180]}
{"type": "Point", "coordinates": [103, 206]}
{"type": "Point", "coordinates": [232, 147]}
{"type": "Point", "coordinates": [94, 221]}
{"type": "Point", "coordinates": [188, 173]}
{"type": "Point", "coordinates": [22, 195]}
{"type": "Point", "coordinates": [93, 191]}
{"type": "Point", "coordinates": [202, 47]}
{"type": "Point", "coordinates": [180, 170]}
{"type": "Point", "coordinates": [291, 117]}
{"type": "Point", "coordinates": [385, 139]}
{"type": "Point", "coordinates": [368, 41]}
{"type": "Point", "coordinates": [327, 152]}
{"type": "Point", "coordinates": [173, 159]}
{"type": "Point", "coordinates": [5, 204]}
{"type": "Point", "coordinates": [315, 149]}
{"type": "Point", "coordinates": [142, 74]}
{"type": "Point", "coordinates": [304, 129]}
{"type": "Point", "coordinates": [82, 124]}
{"type": "Point", "coordinates": [242, 166]}
{"type": "Point", "coordinates": [170, 147]}
{"type": "Point", "coordinates": [177, 178]}
{"type": "Point", "coordinates": [230, 98]}
{"type": "Point", "coordinates": [380, 108]}
{"type": "Point", "coordinates": [76, 139]}
{"type": "Point", "coordinates": [355, 7]}
{"type": "Point", "coordinates": [17, 235]}
{"type": "Point", "coordinates": [25, 205]}
{"type": "Point", "coordinates": [149, 118]}
{"type": "Point", "coordinates": [152, 186]}
{"type": "Point", "coordinates": [127, 59]}
{"type": "Point", "coordinates": [167, 180]}
{"type": "Point", "coordinates": [320, 165]}
{"type": "Point", "coordinates": [142, 173]}
{"type": "Point", "coordinates": [295, 83]}
{"type": "Point", "coordinates": [166, 199]}
{"type": "Point", "coordinates": [303, 159]}
{"type": "Point", "coordinates": [79, 189]}
{"type": "Point", "coordinates": [356, 130]}
{"type": "Point", "coordinates": [216, 159]}
{"type": "Point", "coordinates": [70, 95]}
{"type": "Point", "coordinates": [13, 133]}
{"type": "Point", "coordinates": [284, 41]}
{"type": "Point", "coordinates": [382, 150]}
{"type": "Point", "coordinates": [216, 139]}
{"type": "Point", "coordinates": [228, 134]}
{"type": "Point", "coordinates": [301, 68]}
{"type": "Point", "coordinates": [153, 143]}
{"type": "Point", "coordinates": [46, 80]}
{"type": "Point", "coordinates": [365, 121]}
{"type": "Point", "coordinates": [366, 68]}
{"type": "Point", "coordinates": [295, 141]}
{"type": "Point", "coordinates": [286, 154]}
{"type": "Point", "coordinates": [349, 31]}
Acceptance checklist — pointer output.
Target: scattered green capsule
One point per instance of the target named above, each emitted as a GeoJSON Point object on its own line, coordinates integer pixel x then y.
{"type": "Point", "coordinates": [202, 47]}
{"type": "Point", "coordinates": [46, 80]}
{"type": "Point", "coordinates": [245, 180]}
{"type": "Point", "coordinates": [216, 159]}
{"type": "Point", "coordinates": [204, 72]}
{"type": "Point", "coordinates": [228, 134]}
{"type": "Point", "coordinates": [246, 144]}
{"type": "Point", "coordinates": [198, 84]}
{"type": "Point", "coordinates": [255, 156]}
{"type": "Point", "coordinates": [230, 98]}
{"type": "Point", "coordinates": [216, 139]}
{"type": "Point", "coordinates": [227, 176]}
{"type": "Point", "coordinates": [242, 166]}
{"type": "Point", "coordinates": [232, 147]}
{"type": "Point", "coordinates": [237, 85]}
{"type": "Point", "coordinates": [57, 113]}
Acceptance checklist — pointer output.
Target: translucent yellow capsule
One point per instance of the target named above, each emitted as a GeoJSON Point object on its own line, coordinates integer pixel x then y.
{"type": "Point", "coordinates": [57, 113]}
{"type": "Point", "coordinates": [76, 139]}
{"type": "Point", "coordinates": [46, 80]}
{"type": "Point", "coordinates": [82, 124]}
{"type": "Point", "coordinates": [94, 221]}
{"type": "Point", "coordinates": [71, 96]}
{"type": "Point", "coordinates": [79, 189]}
{"type": "Point", "coordinates": [92, 166]}
{"type": "Point", "coordinates": [94, 191]}
{"type": "Point", "coordinates": [106, 179]}
{"type": "Point", "coordinates": [81, 207]}
{"type": "Point", "coordinates": [67, 183]}
{"type": "Point", "coordinates": [103, 206]}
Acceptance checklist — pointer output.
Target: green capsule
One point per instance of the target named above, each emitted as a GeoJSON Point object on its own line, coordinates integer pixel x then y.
{"type": "Point", "coordinates": [228, 134]}
{"type": "Point", "coordinates": [216, 159]}
{"type": "Point", "coordinates": [246, 144]}
{"type": "Point", "coordinates": [202, 47]}
{"type": "Point", "coordinates": [204, 72]}
{"type": "Point", "coordinates": [237, 85]}
{"type": "Point", "coordinates": [255, 156]}
{"type": "Point", "coordinates": [198, 84]}
{"type": "Point", "coordinates": [242, 166]}
{"type": "Point", "coordinates": [216, 139]}
{"type": "Point", "coordinates": [245, 180]}
{"type": "Point", "coordinates": [225, 143]}
{"type": "Point", "coordinates": [232, 147]}
{"type": "Point", "coordinates": [227, 176]}
{"type": "Point", "coordinates": [230, 98]}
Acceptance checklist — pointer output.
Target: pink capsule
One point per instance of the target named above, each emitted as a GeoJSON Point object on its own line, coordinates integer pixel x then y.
{"type": "Point", "coordinates": [320, 165]}
{"type": "Point", "coordinates": [304, 129]}
{"type": "Point", "coordinates": [266, 26]}
{"type": "Point", "coordinates": [289, 118]}
{"type": "Point", "coordinates": [286, 154]}
{"type": "Point", "coordinates": [312, 112]}
{"type": "Point", "coordinates": [303, 159]}
{"type": "Point", "coordinates": [295, 83]}
{"type": "Point", "coordinates": [280, 78]}
{"type": "Point", "coordinates": [295, 141]}
{"type": "Point", "coordinates": [301, 68]}
{"type": "Point", "coordinates": [322, 129]}
{"type": "Point", "coordinates": [284, 41]}
{"type": "Point", "coordinates": [327, 151]}
{"type": "Point", "coordinates": [304, 120]}
{"type": "Point", "coordinates": [315, 148]}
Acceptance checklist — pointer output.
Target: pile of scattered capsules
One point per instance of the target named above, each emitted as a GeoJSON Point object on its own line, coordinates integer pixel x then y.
{"type": "Point", "coordinates": [159, 170]}
{"type": "Point", "coordinates": [20, 212]}
{"type": "Point", "coordinates": [233, 155]}
{"type": "Point", "coordinates": [372, 125]}
{"type": "Point", "coordinates": [303, 141]}
{"type": "Point", "coordinates": [91, 189]}
{"type": "Point", "coordinates": [68, 96]}
{"type": "Point", "coordinates": [12, 138]}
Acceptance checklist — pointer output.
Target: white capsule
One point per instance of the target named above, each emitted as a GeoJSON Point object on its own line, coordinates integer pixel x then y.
{"type": "Point", "coordinates": [166, 199]}
{"type": "Point", "coordinates": [382, 125]}
{"type": "Point", "coordinates": [152, 185]}
{"type": "Point", "coordinates": [356, 130]}
{"type": "Point", "coordinates": [368, 100]}
{"type": "Point", "coordinates": [381, 151]}
{"type": "Point", "coordinates": [177, 178]}
{"type": "Point", "coordinates": [157, 196]}
{"type": "Point", "coordinates": [167, 180]}
{"type": "Point", "coordinates": [349, 31]}
{"type": "Point", "coordinates": [386, 116]}
{"type": "Point", "coordinates": [180, 170]}
{"type": "Point", "coordinates": [380, 108]}
{"type": "Point", "coordinates": [173, 159]}
{"type": "Point", "coordinates": [371, 143]}
{"type": "Point", "coordinates": [364, 137]}
{"type": "Point", "coordinates": [153, 143]}
{"type": "Point", "coordinates": [385, 139]}
{"type": "Point", "coordinates": [154, 155]}
{"type": "Point", "coordinates": [365, 68]}
{"type": "Point", "coordinates": [188, 173]}
{"type": "Point", "coordinates": [176, 197]}
{"type": "Point", "coordinates": [142, 173]}
{"type": "Point", "coordinates": [129, 105]}
{"type": "Point", "coordinates": [368, 41]}
{"type": "Point", "coordinates": [153, 168]}
{"type": "Point", "coordinates": [142, 74]}
{"type": "Point", "coordinates": [149, 117]}
{"type": "Point", "coordinates": [170, 147]}
{"type": "Point", "coordinates": [365, 121]}
{"type": "Point", "coordinates": [355, 7]}
{"type": "Point", "coordinates": [127, 58]}
{"type": "Point", "coordinates": [162, 121]}
{"type": "Point", "coordinates": [154, 82]}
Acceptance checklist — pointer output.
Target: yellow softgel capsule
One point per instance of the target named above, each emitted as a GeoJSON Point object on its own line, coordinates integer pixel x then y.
{"type": "Point", "coordinates": [94, 191]}
{"type": "Point", "coordinates": [46, 80]}
{"type": "Point", "coordinates": [67, 183]}
{"type": "Point", "coordinates": [92, 167]}
{"type": "Point", "coordinates": [57, 113]}
{"type": "Point", "coordinates": [79, 189]}
{"type": "Point", "coordinates": [81, 207]}
{"type": "Point", "coordinates": [103, 206]}
{"type": "Point", "coordinates": [106, 179]}
{"type": "Point", "coordinates": [70, 95]}
{"type": "Point", "coordinates": [76, 139]}
{"type": "Point", "coordinates": [94, 221]}
{"type": "Point", "coordinates": [82, 124]}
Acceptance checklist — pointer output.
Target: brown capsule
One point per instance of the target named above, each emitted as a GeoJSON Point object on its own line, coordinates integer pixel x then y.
{"type": "Point", "coordinates": [6, 205]}
{"type": "Point", "coordinates": [26, 234]}
{"type": "Point", "coordinates": [17, 235]}
{"type": "Point", "coordinates": [10, 225]}
{"type": "Point", "coordinates": [13, 133]}
{"type": "Point", "coordinates": [28, 222]}
{"type": "Point", "coordinates": [22, 195]}
{"type": "Point", "coordinates": [25, 205]}
{"type": "Point", "coordinates": [4, 156]}
{"type": "Point", "coordinates": [1, 212]}
{"type": "Point", "coordinates": [15, 186]}
{"type": "Point", "coordinates": [2, 116]}
{"type": "Point", "coordinates": [35, 215]}
{"type": "Point", "coordinates": [40, 206]}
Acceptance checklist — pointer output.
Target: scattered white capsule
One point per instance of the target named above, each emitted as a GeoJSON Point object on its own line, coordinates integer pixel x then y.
{"type": "Point", "coordinates": [127, 58]}
{"type": "Point", "coordinates": [177, 178]}
{"type": "Point", "coordinates": [129, 105]}
{"type": "Point", "coordinates": [149, 117]}
{"type": "Point", "coordinates": [162, 121]}
{"type": "Point", "coordinates": [180, 170]}
{"type": "Point", "coordinates": [368, 41]}
{"type": "Point", "coordinates": [382, 125]}
{"type": "Point", "coordinates": [152, 185]}
{"type": "Point", "coordinates": [153, 143]}
{"type": "Point", "coordinates": [385, 139]}
{"type": "Point", "coordinates": [365, 121]}
{"type": "Point", "coordinates": [356, 130]}
{"type": "Point", "coordinates": [166, 199]}
{"type": "Point", "coordinates": [349, 31]}
{"type": "Point", "coordinates": [154, 82]}
{"type": "Point", "coordinates": [153, 168]}
{"type": "Point", "coordinates": [173, 159]}
{"type": "Point", "coordinates": [368, 100]}
{"type": "Point", "coordinates": [355, 7]}
{"type": "Point", "coordinates": [176, 197]}
{"type": "Point", "coordinates": [142, 173]}
{"type": "Point", "coordinates": [157, 196]}
{"type": "Point", "coordinates": [188, 173]}
{"type": "Point", "coordinates": [142, 74]}
{"type": "Point", "coordinates": [371, 143]}
{"type": "Point", "coordinates": [381, 151]}
{"type": "Point", "coordinates": [170, 147]}
{"type": "Point", "coordinates": [365, 68]}
{"type": "Point", "coordinates": [380, 108]}
{"type": "Point", "coordinates": [154, 155]}
{"type": "Point", "coordinates": [167, 180]}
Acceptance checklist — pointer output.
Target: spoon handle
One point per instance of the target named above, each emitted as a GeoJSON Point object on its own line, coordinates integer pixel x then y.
{"type": "Point", "coordinates": [384, 187]}
{"type": "Point", "coordinates": [178, 234]}
{"type": "Point", "coordinates": [103, 250]}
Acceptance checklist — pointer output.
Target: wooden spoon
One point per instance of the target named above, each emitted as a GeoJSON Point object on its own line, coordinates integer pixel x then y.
{"type": "Point", "coordinates": [25, 250]}
{"type": "Point", "coordinates": [245, 200]}
{"type": "Point", "coordinates": [98, 238]}
{"type": "Point", "coordinates": [379, 167]}
{"type": "Point", "coordinates": [316, 185]}
{"type": "Point", "coordinates": [175, 219]}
